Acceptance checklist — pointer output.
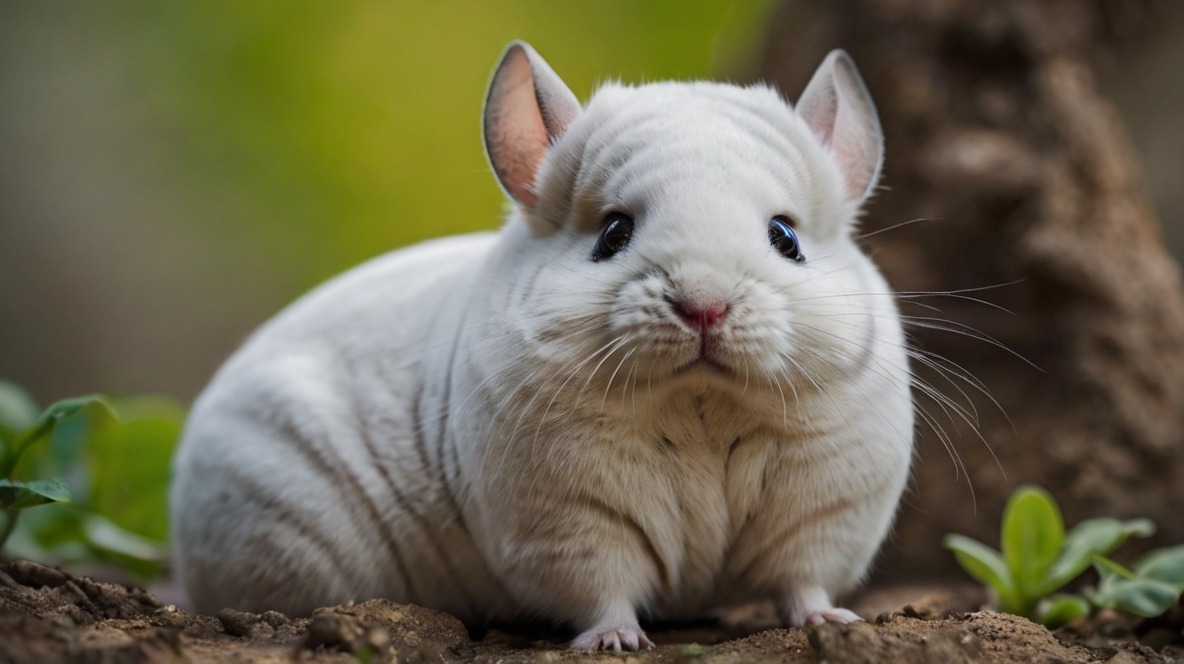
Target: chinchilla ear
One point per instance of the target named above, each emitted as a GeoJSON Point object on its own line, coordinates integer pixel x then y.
{"type": "Point", "coordinates": [527, 108]}
{"type": "Point", "coordinates": [839, 110]}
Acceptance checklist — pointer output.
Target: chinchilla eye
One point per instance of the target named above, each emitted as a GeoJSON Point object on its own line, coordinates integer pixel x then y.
{"type": "Point", "coordinates": [618, 229]}
{"type": "Point", "coordinates": [784, 239]}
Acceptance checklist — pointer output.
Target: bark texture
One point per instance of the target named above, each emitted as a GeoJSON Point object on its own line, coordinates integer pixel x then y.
{"type": "Point", "coordinates": [998, 137]}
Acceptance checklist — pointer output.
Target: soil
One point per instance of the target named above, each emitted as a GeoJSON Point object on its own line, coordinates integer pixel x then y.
{"type": "Point", "coordinates": [48, 615]}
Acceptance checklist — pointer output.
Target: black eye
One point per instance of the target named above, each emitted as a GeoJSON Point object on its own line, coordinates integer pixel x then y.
{"type": "Point", "coordinates": [618, 229]}
{"type": "Point", "coordinates": [784, 240]}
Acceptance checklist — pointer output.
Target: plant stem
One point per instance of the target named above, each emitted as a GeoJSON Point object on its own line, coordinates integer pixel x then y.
{"type": "Point", "coordinates": [9, 526]}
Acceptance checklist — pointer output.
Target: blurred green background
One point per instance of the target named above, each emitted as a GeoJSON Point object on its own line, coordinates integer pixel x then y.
{"type": "Point", "coordinates": [172, 173]}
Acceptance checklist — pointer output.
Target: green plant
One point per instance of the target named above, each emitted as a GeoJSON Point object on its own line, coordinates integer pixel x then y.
{"type": "Point", "coordinates": [20, 429]}
{"type": "Point", "coordinates": [1150, 587]}
{"type": "Point", "coordinates": [110, 455]}
{"type": "Point", "coordinates": [1039, 558]}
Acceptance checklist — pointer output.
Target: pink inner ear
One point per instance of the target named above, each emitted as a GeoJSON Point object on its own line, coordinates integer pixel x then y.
{"type": "Point", "coordinates": [839, 111]}
{"type": "Point", "coordinates": [852, 151]}
{"type": "Point", "coordinates": [517, 135]}
{"type": "Point", "coordinates": [857, 146]}
{"type": "Point", "coordinates": [528, 108]}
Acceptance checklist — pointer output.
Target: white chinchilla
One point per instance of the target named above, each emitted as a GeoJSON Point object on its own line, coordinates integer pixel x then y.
{"type": "Point", "coordinates": [672, 382]}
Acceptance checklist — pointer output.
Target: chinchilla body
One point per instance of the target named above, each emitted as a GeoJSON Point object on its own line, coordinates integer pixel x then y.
{"type": "Point", "coordinates": [671, 382]}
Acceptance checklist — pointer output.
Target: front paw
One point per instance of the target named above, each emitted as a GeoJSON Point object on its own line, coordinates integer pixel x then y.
{"type": "Point", "coordinates": [811, 606]}
{"type": "Point", "coordinates": [626, 638]}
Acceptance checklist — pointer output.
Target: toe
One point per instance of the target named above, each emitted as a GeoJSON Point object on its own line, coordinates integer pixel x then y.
{"type": "Point", "coordinates": [618, 640]}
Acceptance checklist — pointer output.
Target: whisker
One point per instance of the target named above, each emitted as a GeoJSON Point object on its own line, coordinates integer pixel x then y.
{"type": "Point", "coordinates": [902, 224]}
{"type": "Point", "coordinates": [606, 350]}
{"type": "Point", "coordinates": [618, 342]}
{"type": "Point", "coordinates": [604, 399]}
{"type": "Point", "coordinates": [942, 325]}
{"type": "Point", "coordinates": [927, 393]}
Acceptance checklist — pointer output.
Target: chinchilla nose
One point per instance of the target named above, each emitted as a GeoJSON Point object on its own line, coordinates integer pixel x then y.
{"type": "Point", "coordinates": [698, 296]}
{"type": "Point", "coordinates": [702, 313]}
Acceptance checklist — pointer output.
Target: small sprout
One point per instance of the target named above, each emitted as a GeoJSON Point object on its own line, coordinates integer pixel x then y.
{"type": "Point", "coordinates": [1038, 557]}
{"type": "Point", "coordinates": [20, 429]}
{"type": "Point", "coordinates": [117, 465]}
{"type": "Point", "coordinates": [12, 447]}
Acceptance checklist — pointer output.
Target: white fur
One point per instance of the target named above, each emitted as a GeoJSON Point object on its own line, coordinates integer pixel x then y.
{"type": "Point", "coordinates": [498, 426]}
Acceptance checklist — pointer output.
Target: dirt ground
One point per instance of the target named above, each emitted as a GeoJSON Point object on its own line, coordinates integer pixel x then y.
{"type": "Point", "coordinates": [47, 615]}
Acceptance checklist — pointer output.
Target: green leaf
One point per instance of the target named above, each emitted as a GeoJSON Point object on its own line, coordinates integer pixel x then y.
{"type": "Point", "coordinates": [1093, 536]}
{"type": "Point", "coordinates": [1152, 587]}
{"type": "Point", "coordinates": [108, 536]}
{"type": "Point", "coordinates": [1143, 597]}
{"type": "Point", "coordinates": [51, 534]}
{"type": "Point", "coordinates": [1031, 539]}
{"type": "Point", "coordinates": [127, 464]}
{"type": "Point", "coordinates": [1061, 609]}
{"type": "Point", "coordinates": [67, 534]}
{"type": "Point", "coordinates": [20, 495]}
{"type": "Point", "coordinates": [55, 414]}
{"type": "Point", "coordinates": [118, 468]}
{"type": "Point", "coordinates": [1163, 565]}
{"type": "Point", "coordinates": [986, 566]}
{"type": "Point", "coordinates": [17, 410]}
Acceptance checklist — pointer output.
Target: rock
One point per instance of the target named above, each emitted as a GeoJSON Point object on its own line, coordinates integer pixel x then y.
{"type": "Point", "coordinates": [399, 632]}
{"type": "Point", "coordinates": [49, 593]}
{"type": "Point", "coordinates": [240, 623]}
{"type": "Point", "coordinates": [864, 644]}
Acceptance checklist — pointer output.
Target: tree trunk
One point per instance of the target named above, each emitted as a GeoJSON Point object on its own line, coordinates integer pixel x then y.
{"type": "Point", "coordinates": [998, 139]}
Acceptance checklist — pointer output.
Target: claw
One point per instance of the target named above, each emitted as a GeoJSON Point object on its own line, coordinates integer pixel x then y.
{"type": "Point", "coordinates": [620, 639]}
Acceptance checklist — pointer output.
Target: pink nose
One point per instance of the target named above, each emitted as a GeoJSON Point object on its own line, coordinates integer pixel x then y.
{"type": "Point", "coordinates": [701, 314]}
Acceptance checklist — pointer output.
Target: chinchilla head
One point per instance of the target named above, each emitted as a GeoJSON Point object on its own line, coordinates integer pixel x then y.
{"type": "Point", "coordinates": [685, 233]}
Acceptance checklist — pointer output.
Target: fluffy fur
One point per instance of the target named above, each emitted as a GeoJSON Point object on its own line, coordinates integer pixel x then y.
{"type": "Point", "coordinates": [498, 426]}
